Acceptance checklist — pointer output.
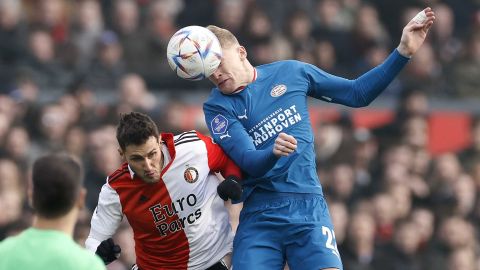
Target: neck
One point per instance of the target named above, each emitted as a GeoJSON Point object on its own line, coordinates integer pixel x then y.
{"type": "Point", "coordinates": [250, 76]}
{"type": "Point", "coordinates": [64, 223]}
{"type": "Point", "coordinates": [162, 158]}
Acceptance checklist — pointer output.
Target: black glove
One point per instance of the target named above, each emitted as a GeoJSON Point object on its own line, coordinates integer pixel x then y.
{"type": "Point", "coordinates": [108, 251]}
{"type": "Point", "coordinates": [230, 188]}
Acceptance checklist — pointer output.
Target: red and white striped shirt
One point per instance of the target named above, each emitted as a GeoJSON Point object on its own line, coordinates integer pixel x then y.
{"type": "Point", "coordinates": [179, 222]}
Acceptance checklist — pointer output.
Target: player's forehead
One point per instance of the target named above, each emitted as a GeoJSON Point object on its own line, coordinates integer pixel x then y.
{"type": "Point", "coordinates": [230, 52]}
{"type": "Point", "coordinates": [142, 149]}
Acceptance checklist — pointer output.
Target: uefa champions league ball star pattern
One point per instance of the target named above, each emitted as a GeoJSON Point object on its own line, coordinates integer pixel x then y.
{"type": "Point", "coordinates": [194, 53]}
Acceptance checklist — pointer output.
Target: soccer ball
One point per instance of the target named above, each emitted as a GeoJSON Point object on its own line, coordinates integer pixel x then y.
{"type": "Point", "coordinates": [194, 53]}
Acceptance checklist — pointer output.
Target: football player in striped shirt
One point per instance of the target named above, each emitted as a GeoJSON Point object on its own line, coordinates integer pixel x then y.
{"type": "Point", "coordinates": [167, 190]}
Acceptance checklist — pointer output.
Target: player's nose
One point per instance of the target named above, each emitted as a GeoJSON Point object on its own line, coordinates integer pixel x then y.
{"type": "Point", "coordinates": [148, 165]}
{"type": "Point", "coordinates": [217, 74]}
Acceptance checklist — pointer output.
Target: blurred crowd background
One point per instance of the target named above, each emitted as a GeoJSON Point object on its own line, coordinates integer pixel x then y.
{"type": "Point", "coordinates": [69, 67]}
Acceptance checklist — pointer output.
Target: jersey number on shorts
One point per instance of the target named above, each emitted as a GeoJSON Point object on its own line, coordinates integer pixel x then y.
{"type": "Point", "coordinates": [331, 242]}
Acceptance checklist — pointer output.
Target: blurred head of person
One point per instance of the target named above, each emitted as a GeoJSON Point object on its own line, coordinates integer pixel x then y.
{"type": "Point", "coordinates": [12, 192]}
{"type": "Point", "coordinates": [57, 187]}
{"type": "Point", "coordinates": [134, 93]}
{"type": "Point", "coordinates": [340, 219]}
{"type": "Point", "coordinates": [385, 215]}
{"type": "Point", "coordinates": [102, 148]}
{"type": "Point", "coordinates": [89, 16]}
{"type": "Point", "coordinates": [406, 238]}
{"type": "Point", "coordinates": [424, 221]}
{"type": "Point", "coordinates": [41, 46]}
{"type": "Point", "coordinates": [402, 196]}
{"type": "Point", "coordinates": [54, 123]}
{"type": "Point", "coordinates": [10, 13]}
{"type": "Point", "coordinates": [110, 49]}
{"type": "Point", "coordinates": [161, 19]}
{"type": "Point", "coordinates": [342, 182]}
{"type": "Point", "coordinates": [456, 233]}
{"type": "Point", "coordinates": [18, 143]}
{"type": "Point", "coordinates": [447, 168]}
{"type": "Point", "coordinates": [465, 193]}
{"type": "Point", "coordinates": [361, 229]}
{"type": "Point", "coordinates": [126, 16]}
{"type": "Point", "coordinates": [231, 14]}
{"type": "Point", "coordinates": [415, 132]}
{"type": "Point", "coordinates": [463, 258]}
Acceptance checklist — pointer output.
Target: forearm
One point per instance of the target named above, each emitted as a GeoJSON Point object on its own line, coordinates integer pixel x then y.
{"type": "Point", "coordinates": [371, 84]}
{"type": "Point", "coordinates": [105, 219]}
{"type": "Point", "coordinates": [92, 243]}
{"type": "Point", "coordinates": [257, 163]}
{"type": "Point", "coordinates": [354, 93]}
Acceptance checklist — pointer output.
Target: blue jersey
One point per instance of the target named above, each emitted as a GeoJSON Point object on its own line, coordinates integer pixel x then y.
{"type": "Point", "coordinates": [246, 124]}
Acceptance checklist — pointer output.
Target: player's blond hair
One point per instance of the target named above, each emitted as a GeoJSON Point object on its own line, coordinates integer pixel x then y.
{"type": "Point", "coordinates": [226, 38]}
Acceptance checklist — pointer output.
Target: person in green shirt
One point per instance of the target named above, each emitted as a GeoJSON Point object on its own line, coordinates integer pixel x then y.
{"type": "Point", "coordinates": [56, 195]}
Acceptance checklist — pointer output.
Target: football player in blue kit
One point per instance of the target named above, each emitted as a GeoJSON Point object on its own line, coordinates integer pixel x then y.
{"type": "Point", "coordinates": [259, 116]}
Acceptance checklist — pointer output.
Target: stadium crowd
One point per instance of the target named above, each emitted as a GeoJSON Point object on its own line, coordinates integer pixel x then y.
{"type": "Point", "coordinates": [69, 67]}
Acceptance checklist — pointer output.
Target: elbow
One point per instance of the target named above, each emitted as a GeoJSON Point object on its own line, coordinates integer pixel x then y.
{"type": "Point", "coordinates": [360, 103]}
{"type": "Point", "coordinates": [256, 173]}
{"type": "Point", "coordinates": [251, 169]}
{"type": "Point", "coordinates": [363, 104]}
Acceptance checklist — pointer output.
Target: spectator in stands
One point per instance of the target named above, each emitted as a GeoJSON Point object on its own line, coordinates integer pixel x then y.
{"type": "Point", "coordinates": [41, 63]}
{"type": "Point", "coordinates": [13, 36]}
{"type": "Point", "coordinates": [87, 26]}
{"type": "Point", "coordinates": [359, 250]}
{"type": "Point", "coordinates": [402, 252]}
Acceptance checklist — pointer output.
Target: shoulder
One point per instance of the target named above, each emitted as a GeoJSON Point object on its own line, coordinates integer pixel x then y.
{"type": "Point", "coordinates": [282, 64]}
{"type": "Point", "coordinates": [280, 70]}
{"type": "Point", "coordinates": [86, 259]}
{"type": "Point", "coordinates": [216, 99]}
{"type": "Point", "coordinates": [190, 144]}
{"type": "Point", "coordinates": [120, 173]}
{"type": "Point", "coordinates": [186, 137]}
{"type": "Point", "coordinates": [6, 246]}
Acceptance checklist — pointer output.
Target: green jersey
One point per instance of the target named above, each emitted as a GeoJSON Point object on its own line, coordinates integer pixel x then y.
{"type": "Point", "coordinates": [46, 249]}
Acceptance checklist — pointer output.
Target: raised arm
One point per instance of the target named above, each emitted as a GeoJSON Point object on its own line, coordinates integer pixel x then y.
{"type": "Point", "coordinates": [363, 90]}
{"type": "Point", "coordinates": [415, 32]}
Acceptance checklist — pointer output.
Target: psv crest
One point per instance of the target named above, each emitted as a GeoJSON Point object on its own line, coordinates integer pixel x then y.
{"type": "Point", "coordinates": [190, 175]}
{"type": "Point", "coordinates": [278, 90]}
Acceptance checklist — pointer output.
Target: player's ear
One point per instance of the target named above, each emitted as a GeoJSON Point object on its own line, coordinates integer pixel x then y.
{"type": "Point", "coordinates": [120, 152]}
{"type": "Point", "coordinates": [81, 198]}
{"type": "Point", "coordinates": [243, 52]}
{"type": "Point", "coordinates": [30, 192]}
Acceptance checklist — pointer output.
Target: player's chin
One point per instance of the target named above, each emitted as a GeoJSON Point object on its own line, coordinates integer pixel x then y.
{"type": "Point", "coordinates": [226, 91]}
{"type": "Point", "coordinates": [150, 180]}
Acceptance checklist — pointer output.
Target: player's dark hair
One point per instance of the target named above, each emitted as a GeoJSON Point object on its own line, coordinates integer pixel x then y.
{"type": "Point", "coordinates": [56, 183]}
{"type": "Point", "coordinates": [135, 128]}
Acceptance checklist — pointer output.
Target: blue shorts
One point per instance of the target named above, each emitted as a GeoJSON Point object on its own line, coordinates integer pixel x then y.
{"type": "Point", "coordinates": [276, 228]}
